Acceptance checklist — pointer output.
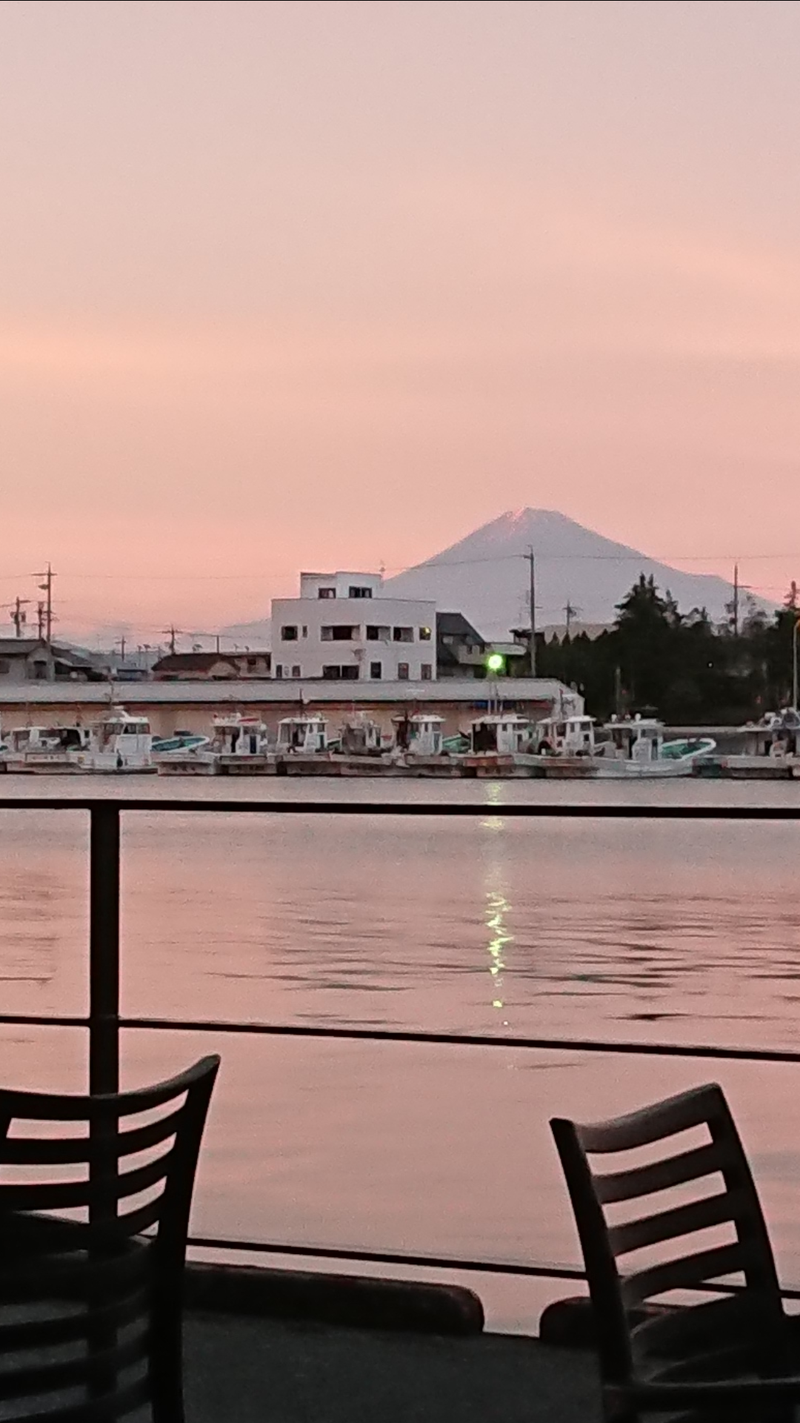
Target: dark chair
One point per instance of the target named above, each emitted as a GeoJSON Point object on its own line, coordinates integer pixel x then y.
{"type": "Point", "coordinates": [95, 1194]}
{"type": "Point", "coordinates": [713, 1353]}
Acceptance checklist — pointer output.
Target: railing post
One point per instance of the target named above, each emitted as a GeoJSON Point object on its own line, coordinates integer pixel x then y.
{"type": "Point", "coordinates": [104, 948]}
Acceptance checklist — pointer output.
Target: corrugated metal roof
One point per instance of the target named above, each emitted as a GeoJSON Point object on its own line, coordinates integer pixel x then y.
{"type": "Point", "coordinates": [451, 689]}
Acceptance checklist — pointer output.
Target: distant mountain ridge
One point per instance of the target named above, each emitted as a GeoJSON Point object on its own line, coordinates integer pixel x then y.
{"type": "Point", "coordinates": [486, 575]}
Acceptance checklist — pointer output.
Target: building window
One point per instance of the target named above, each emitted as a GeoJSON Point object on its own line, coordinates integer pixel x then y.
{"type": "Point", "coordinates": [340, 674]}
{"type": "Point", "coordinates": [360, 592]}
{"type": "Point", "coordinates": [376, 671]}
{"type": "Point", "coordinates": [338, 632]}
{"type": "Point", "coordinates": [289, 634]}
{"type": "Point", "coordinates": [424, 634]}
{"type": "Point", "coordinates": [295, 671]}
{"type": "Point", "coordinates": [305, 630]}
{"type": "Point", "coordinates": [403, 634]}
{"type": "Point", "coordinates": [279, 672]}
{"type": "Point", "coordinates": [39, 671]}
{"type": "Point", "coordinates": [426, 672]}
{"type": "Point", "coordinates": [5, 666]}
{"type": "Point", "coordinates": [326, 592]}
{"type": "Point", "coordinates": [402, 671]}
{"type": "Point", "coordinates": [378, 633]}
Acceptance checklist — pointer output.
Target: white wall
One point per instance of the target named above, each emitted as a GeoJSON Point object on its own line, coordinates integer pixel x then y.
{"type": "Point", "coordinates": [310, 654]}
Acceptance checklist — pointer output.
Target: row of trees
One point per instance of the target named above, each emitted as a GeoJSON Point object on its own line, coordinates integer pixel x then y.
{"type": "Point", "coordinates": [679, 664]}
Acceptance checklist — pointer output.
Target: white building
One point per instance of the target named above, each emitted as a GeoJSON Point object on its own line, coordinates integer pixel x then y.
{"type": "Point", "coordinates": [341, 628]}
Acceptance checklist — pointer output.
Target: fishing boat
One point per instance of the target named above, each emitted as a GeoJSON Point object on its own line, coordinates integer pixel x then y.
{"type": "Point", "coordinates": [361, 736]}
{"type": "Point", "coordinates": [630, 748]}
{"type": "Point", "coordinates": [501, 744]}
{"type": "Point", "coordinates": [238, 745]}
{"type": "Point", "coordinates": [119, 744]}
{"type": "Point", "coordinates": [42, 750]}
{"type": "Point", "coordinates": [636, 748]}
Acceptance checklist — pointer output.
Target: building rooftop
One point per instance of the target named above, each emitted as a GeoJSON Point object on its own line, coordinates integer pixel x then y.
{"type": "Point", "coordinates": [304, 693]}
{"type": "Point", "coordinates": [456, 625]}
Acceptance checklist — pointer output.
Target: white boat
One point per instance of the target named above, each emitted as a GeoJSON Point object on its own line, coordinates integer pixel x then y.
{"type": "Point", "coordinates": [238, 743]}
{"type": "Point", "coordinates": [417, 735]}
{"type": "Point", "coordinates": [42, 750]}
{"type": "Point", "coordinates": [302, 735]}
{"type": "Point", "coordinates": [120, 743]}
{"type": "Point", "coordinates": [632, 748]}
{"type": "Point", "coordinates": [501, 743]}
{"type": "Point", "coordinates": [361, 736]}
{"type": "Point", "coordinates": [636, 748]}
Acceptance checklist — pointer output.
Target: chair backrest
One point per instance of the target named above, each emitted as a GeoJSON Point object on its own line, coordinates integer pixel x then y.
{"type": "Point", "coordinates": [95, 1195]}
{"type": "Point", "coordinates": [692, 1205]}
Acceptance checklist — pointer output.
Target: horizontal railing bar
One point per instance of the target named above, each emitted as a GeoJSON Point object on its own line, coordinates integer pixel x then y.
{"type": "Point", "coordinates": [421, 808]}
{"type": "Point", "coordinates": [433, 1262]}
{"type": "Point", "coordinates": [383, 1257]}
{"type": "Point", "coordinates": [403, 1035]}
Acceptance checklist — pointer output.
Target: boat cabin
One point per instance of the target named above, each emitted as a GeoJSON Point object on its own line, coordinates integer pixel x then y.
{"type": "Point", "coordinates": [237, 735]}
{"type": "Point", "coordinates": [25, 739]}
{"type": "Point", "coordinates": [503, 734]}
{"type": "Point", "coordinates": [639, 738]}
{"type": "Point", "coordinates": [361, 736]}
{"type": "Point", "coordinates": [566, 736]}
{"type": "Point", "coordinates": [129, 735]}
{"type": "Point", "coordinates": [307, 734]}
{"type": "Point", "coordinates": [419, 735]}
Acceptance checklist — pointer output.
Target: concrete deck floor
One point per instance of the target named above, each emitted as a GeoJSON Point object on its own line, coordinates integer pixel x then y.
{"type": "Point", "coordinates": [241, 1370]}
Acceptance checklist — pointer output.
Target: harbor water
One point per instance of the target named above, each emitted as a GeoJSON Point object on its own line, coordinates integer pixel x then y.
{"type": "Point", "coordinates": [681, 932]}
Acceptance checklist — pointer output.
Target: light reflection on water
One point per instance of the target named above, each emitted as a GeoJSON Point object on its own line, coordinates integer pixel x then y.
{"type": "Point", "coordinates": [683, 932]}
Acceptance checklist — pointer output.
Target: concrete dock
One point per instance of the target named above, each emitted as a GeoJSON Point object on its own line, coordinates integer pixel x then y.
{"type": "Point", "coordinates": [248, 1370]}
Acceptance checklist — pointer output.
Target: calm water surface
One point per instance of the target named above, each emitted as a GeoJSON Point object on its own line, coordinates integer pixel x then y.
{"type": "Point", "coordinates": [681, 932]}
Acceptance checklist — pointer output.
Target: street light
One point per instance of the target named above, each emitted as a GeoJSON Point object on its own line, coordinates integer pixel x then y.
{"type": "Point", "coordinates": [495, 662]}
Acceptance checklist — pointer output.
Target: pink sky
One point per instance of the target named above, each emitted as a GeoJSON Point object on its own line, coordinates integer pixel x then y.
{"type": "Point", "coordinates": [330, 284]}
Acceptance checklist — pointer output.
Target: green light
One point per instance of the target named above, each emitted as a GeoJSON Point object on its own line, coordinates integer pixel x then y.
{"type": "Point", "coordinates": [495, 662]}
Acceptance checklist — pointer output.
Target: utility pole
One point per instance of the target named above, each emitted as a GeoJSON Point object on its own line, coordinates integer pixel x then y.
{"type": "Point", "coordinates": [171, 633]}
{"type": "Point", "coordinates": [41, 609]}
{"type": "Point", "coordinates": [532, 598]}
{"type": "Point", "coordinates": [122, 646]}
{"type": "Point", "coordinates": [569, 613]}
{"type": "Point", "coordinates": [794, 663]}
{"type": "Point", "coordinates": [47, 588]}
{"type": "Point", "coordinates": [736, 600]}
{"type": "Point", "coordinates": [18, 617]}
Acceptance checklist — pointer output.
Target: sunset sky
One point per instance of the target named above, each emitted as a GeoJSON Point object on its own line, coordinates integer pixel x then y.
{"type": "Point", "coordinates": [330, 284]}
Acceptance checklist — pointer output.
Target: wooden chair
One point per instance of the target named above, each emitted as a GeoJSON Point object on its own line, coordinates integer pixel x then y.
{"type": "Point", "coordinates": [720, 1355]}
{"type": "Point", "coordinates": [95, 1194]}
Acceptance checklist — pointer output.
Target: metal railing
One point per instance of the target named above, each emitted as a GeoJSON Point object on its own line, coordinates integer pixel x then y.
{"type": "Point", "coordinates": [105, 1021]}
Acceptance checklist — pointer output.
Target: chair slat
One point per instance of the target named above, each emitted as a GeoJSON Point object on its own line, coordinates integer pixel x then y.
{"type": "Point", "coordinates": [655, 1123]}
{"type": "Point", "coordinates": [116, 1402]}
{"type": "Point", "coordinates": [81, 1150]}
{"type": "Point", "coordinates": [661, 1175]}
{"type": "Point", "coordinates": [58, 1107]}
{"type": "Point", "coordinates": [48, 1375]}
{"type": "Point", "coordinates": [674, 1223]}
{"type": "Point", "coordinates": [686, 1273]}
{"type": "Point", "coordinates": [78, 1324]}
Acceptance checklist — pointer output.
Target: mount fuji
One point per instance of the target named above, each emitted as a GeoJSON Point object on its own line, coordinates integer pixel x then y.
{"type": "Point", "coordinates": [485, 576]}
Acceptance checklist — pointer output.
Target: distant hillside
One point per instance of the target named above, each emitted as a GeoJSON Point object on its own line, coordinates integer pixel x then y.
{"type": "Point", "coordinates": [485, 575]}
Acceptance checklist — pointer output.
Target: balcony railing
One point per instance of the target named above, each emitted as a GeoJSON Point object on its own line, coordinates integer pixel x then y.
{"type": "Point", "coordinates": [105, 1022]}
